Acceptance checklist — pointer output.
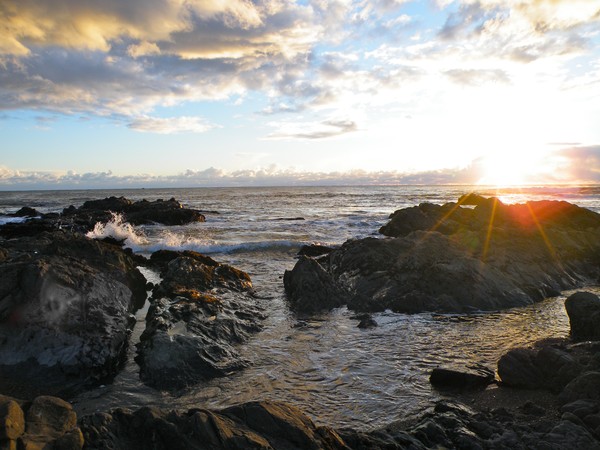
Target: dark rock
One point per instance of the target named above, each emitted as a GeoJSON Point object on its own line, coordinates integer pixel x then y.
{"type": "Point", "coordinates": [84, 218]}
{"type": "Point", "coordinates": [65, 311]}
{"type": "Point", "coordinates": [454, 379]}
{"type": "Point", "coordinates": [585, 387]}
{"type": "Point", "coordinates": [583, 309]}
{"type": "Point", "coordinates": [200, 312]}
{"type": "Point", "coordinates": [456, 259]}
{"type": "Point", "coordinates": [310, 288]}
{"type": "Point", "coordinates": [542, 367]}
{"type": "Point", "coordinates": [532, 409]}
{"type": "Point", "coordinates": [581, 408]}
{"type": "Point", "coordinates": [26, 212]}
{"type": "Point", "coordinates": [314, 250]}
{"type": "Point", "coordinates": [266, 425]}
{"type": "Point", "coordinates": [366, 321]}
{"type": "Point", "coordinates": [50, 417]}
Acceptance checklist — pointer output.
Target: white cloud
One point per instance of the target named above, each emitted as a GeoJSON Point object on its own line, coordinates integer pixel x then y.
{"type": "Point", "coordinates": [170, 125]}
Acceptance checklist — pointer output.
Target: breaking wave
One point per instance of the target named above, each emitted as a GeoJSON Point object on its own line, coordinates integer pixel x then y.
{"type": "Point", "coordinates": [119, 230]}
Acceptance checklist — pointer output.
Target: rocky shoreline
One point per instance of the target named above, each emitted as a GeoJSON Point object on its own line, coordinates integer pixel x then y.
{"type": "Point", "coordinates": [66, 305]}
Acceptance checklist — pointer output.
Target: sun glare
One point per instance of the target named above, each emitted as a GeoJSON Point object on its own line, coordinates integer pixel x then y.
{"type": "Point", "coordinates": [507, 170]}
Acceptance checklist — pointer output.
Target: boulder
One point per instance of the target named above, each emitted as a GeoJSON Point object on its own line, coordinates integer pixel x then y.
{"type": "Point", "coordinates": [585, 387]}
{"type": "Point", "coordinates": [310, 288]}
{"type": "Point", "coordinates": [200, 312]}
{"type": "Point", "coordinates": [452, 258]}
{"type": "Point", "coordinates": [65, 311]}
{"type": "Point", "coordinates": [583, 309]}
{"type": "Point", "coordinates": [45, 423]}
{"type": "Point", "coordinates": [544, 366]}
{"type": "Point", "coordinates": [476, 378]}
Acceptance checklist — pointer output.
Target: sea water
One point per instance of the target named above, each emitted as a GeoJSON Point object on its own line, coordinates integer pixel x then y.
{"type": "Point", "coordinates": [339, 374]}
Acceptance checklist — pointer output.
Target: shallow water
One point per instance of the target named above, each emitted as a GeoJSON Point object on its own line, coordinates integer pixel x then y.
{"type": "Point", "coordinates": [336, 372]}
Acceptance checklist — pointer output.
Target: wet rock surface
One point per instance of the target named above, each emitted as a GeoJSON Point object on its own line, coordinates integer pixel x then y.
{"type": "Point", "coordinates": [453, 258]}
{"type": "Point", "coordinates": [200, 312]}
{"type": "Point", "coordinates": [85, 218]}
{"type": "Point", "coordinates": [65, 310]}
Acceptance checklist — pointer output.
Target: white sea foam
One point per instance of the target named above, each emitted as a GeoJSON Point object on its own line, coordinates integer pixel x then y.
{"type": "Point", "coordinates": [4, 220]}
{"type": "Point", "coordinates": [120, 230]}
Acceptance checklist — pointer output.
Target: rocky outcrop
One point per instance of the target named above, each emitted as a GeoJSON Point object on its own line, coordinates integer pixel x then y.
{"type": "Point", "coordinates": [453, 258]}
{"type": "Point", "coordinates": [84, 218]}
{"type": "Point", "coordinates": [200, 313]}
{"type": "Point", "coordinates": [264, 425]}
{"type": "Point", "coordinates": [166, 212]}
{"type": "Point", "coordinates": [583, 309]}
{"type": "Point", "coordinates": [65, 311]}
{"type": "Point", "coordinates": [44, 423]}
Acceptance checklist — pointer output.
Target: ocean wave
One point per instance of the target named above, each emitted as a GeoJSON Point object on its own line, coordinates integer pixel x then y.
{"type": "Point", "coordinates": [120, 230]}
{"type": "Point", "coordinates": [180, 243]}
{"type": "Point", "coordinates": [4, 220]}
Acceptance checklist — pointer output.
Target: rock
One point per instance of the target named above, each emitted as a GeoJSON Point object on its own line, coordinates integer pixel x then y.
{"type": "Point", "coordinates": [201, 311]}
{"type": "Point", "coordinates": [12, 419]}
{"type": "Point", "coordinates": [84, 218]}
{"type": "Point", "coordinates": [583, 309]}
{"type": "Point", "coordinates": [451, 258]}
{"type": "Point", "coordinates": [267, 425]}
{"type": "Point", "coordinates": [65, 311]}
{"type": "Point", "coordinates": [310, 288]}
{"type": "Point", "coordinates": [366, 321]}
{"type": "Point", "coordinates": [50, 417]}
{"type": "Point", "coordinates": [314, 250]}
{"type": "Point", "coordinates": [585, 387]}
{"type": "Point", "coordinates": [47, 423]}
{"type": "Point", "coordinates": [542, 367]}
{"type": "Point", "coordinates": [26, 212]}
{"type": "Point", "coordinates": [454, 379]}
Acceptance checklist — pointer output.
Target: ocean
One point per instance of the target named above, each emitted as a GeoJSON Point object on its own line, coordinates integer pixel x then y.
{"type": "Point", "coordinates": [339, 374]}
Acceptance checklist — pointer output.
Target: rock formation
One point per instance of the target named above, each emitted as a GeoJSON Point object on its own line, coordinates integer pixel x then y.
{"type": "Point", "coordinates": [65, 310]}
{"type": "Point", "coordinates": [453, 258]}
{"type": "Point", "coordinates": [200, 312]}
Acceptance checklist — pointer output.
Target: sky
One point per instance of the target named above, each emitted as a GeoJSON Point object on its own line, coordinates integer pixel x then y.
{"type": "Point", "coordinates": [155, 93]}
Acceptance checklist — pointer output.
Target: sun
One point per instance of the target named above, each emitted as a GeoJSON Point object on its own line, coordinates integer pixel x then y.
{"type": "Point", "coordinates": [508, 170]}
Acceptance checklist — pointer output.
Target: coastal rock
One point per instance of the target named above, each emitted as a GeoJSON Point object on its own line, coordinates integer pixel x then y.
{"type": "Point", "coordinates": [585, 387]}
{"type": "Point", "coordinates": [452, 258]}
{"type": "Point", "coordinates": [265, 425]}
{"type": "Point", "coordinates": [65, 311]}
{"type": "Point", "coordinates": [549, 367]}
{"type": "Point", "coordinates": [583, 309]}
{"type": "Point", "coordinates": [200, 312]}
{"type": "Point", "coordinates": [84, 218]}
{"type": "Point", "coordinates": [477, 378]}
{"type": "Point", "coordinates": [311, 288]}
{"type": "Point", "coordinates": [166, 212]}
{"type": "Point", "coordinates": [45, 423]}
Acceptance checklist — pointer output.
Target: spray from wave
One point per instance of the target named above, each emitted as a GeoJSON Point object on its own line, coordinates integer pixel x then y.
{"type": "Point", "coordinates": [116, 228]}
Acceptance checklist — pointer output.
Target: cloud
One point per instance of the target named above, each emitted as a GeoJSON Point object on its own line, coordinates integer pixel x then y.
{"type": "Point", "coordinates": [580, 163]}
{"type": "Point", "coordinates": [477, 77]}
{"type": "Point", "coordinates": [170, 125]}
{"type": "Point", "coordinates": [313, 130]}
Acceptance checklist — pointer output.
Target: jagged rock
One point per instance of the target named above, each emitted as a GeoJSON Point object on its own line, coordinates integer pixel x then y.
{"type": "Point", "coordinates": [314, 250]}
{"type": "Point", "coordinates": [265, 425]}
{"type": "Point", "coordinates": [84, 218]}
{"type": "Point", "coordinates": [26, 211]}
{"type": "Point", "coordinates": [310, 288]}
{"type": "Point", "coordinates": [65, 311]}
{"type": "Point", "coordinates": [455, 259]}
{"type": "Point", "coordinates": [200, 312]}
{"type": "Point", "coordinates": [583, 309]}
